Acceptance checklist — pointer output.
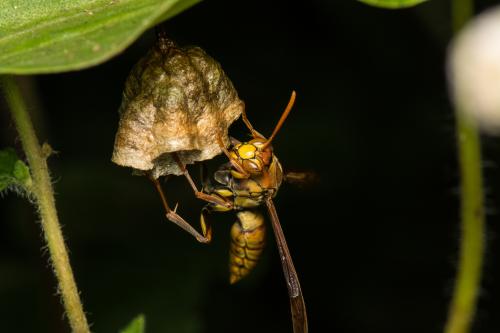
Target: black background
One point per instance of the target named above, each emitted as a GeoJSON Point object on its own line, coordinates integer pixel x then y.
{"type": "Point", "coordinates": [374, 243]}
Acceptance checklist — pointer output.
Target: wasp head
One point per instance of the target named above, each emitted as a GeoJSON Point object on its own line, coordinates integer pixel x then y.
{"type": "Point", "coordinates": [253, 155]}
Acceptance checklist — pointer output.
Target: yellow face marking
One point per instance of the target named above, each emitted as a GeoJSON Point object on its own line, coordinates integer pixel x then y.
{"type": "Point", "coordinates": [246, 151]}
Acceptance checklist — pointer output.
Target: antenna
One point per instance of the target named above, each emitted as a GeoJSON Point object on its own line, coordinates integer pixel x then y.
{"type": "Point", "coordinates": [282, 120]}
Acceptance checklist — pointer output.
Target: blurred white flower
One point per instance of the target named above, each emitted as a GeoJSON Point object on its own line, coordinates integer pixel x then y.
{"type": "Point", "coordinates": [474, 70]}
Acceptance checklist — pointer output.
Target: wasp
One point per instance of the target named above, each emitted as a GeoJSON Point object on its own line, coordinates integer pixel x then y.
{"type": "Point", "coordinates": [250, 179]}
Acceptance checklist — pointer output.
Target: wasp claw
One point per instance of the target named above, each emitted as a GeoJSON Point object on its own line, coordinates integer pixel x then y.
{"type": "Point", "coordinates": [203, 240]}
{"type": "Point", "coordinates": [175, 208]}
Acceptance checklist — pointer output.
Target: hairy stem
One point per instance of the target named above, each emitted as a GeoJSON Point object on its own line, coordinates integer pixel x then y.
{"type": "Point", "coordinates": [44, 196]}
{"type": "Point", "coordinates": [467, 285]}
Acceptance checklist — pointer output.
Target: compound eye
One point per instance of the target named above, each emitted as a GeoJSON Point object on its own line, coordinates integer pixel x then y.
{"type": "Point", "coordinates": [252, 166]}
{"type": "Point", "coordinates": [266, 156]}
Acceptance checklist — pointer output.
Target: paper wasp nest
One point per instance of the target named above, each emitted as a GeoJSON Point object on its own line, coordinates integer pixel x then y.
{"type": "Point", "coordinates": [176, 99]}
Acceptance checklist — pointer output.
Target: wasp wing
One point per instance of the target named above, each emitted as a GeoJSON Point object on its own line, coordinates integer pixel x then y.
{"type": "Point", "coordinates": [298, 307]}
{"type": "Point", "coordinates": [302, 179]}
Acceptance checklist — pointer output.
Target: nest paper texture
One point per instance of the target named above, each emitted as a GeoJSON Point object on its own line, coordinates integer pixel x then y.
{"type": "Point", "coordinates": [175, 100]}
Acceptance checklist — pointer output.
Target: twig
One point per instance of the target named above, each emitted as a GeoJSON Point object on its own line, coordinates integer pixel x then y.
{"type": "Point", "coordinates": [44, 197]}
{"type": "Point", "coordinates": [467, 285]}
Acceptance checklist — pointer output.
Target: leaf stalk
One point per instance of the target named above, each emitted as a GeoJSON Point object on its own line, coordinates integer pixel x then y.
{"type": "Point", "coordinates": [467, 284]}
{"type": "Point", "coordinates": [44, 199]}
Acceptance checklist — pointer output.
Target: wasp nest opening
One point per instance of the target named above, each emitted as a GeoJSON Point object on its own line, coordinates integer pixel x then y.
{"type": "Point", "coordinates": [176, 100]}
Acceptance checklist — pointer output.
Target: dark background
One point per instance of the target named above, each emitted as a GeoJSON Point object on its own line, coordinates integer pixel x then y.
{"type": "Point", "coordinates": [374, 243]}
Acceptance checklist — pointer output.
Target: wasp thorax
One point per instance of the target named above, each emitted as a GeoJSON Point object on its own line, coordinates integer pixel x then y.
{"type": "Point", "coordinates": [176, 99]}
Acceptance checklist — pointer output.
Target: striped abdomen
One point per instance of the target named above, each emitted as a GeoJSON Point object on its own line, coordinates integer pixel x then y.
{"type": "Point", "coordinates": [247, 243]}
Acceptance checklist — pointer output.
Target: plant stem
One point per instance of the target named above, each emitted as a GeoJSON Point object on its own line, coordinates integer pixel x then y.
{"type": "Point", "coordinates": [44, 196]}
{"type": "Point", "coordinates": [468, 281]}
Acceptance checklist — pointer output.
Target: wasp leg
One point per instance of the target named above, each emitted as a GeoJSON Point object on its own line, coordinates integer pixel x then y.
{"type": "Point", "coordinates": [234, 141]}
{"type": "Point", "coordinates": [177, 219]}
{"type": "Point", "coordinates": [206, 227]}
{"type": "Point", "coordinates": [255, 134]}
{"type": "Point", "coordinates": [200, 195]}
{"type": "Point", "coordinates": [206, 184]}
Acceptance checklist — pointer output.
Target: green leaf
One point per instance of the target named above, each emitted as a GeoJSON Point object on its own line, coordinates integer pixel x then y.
{"type": "Point", "coordinates": [177, 8]}
{"type": "Point", "coordinates": [47, 36]}
{"type": "Point", "coordinates": [393, 4]}
{"type": "Point", "coordinates": [137, 325]}
{"type": "Point", "coordinates": [13, 171]}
